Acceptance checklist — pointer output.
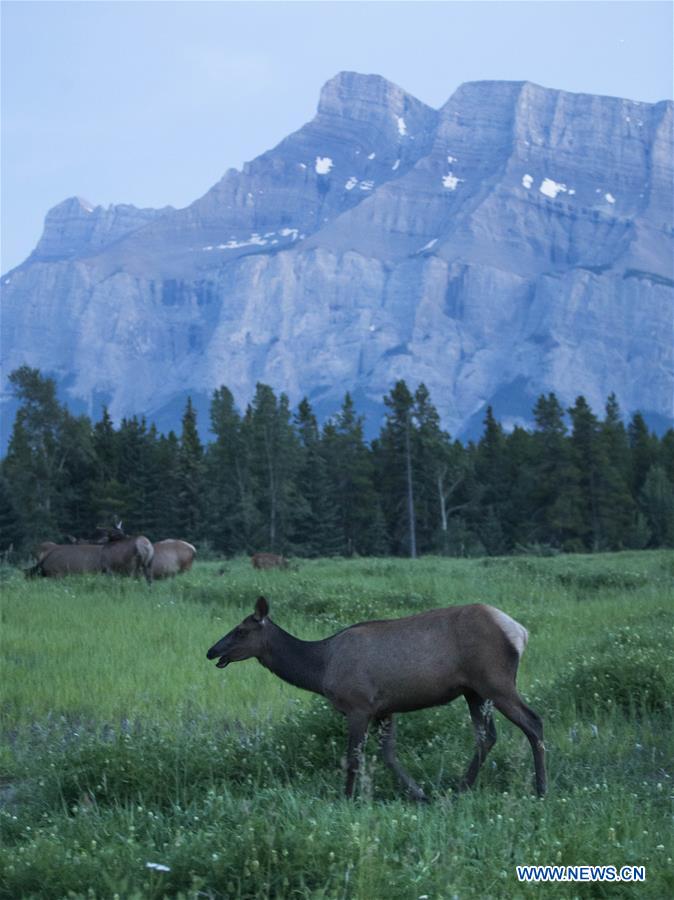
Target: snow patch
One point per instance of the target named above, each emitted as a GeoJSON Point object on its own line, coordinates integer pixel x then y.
{"type": "Point", "coordinates": [551, 188]}
{"type": "Point", "coordinates": [323, 165]}
{"type": "Point", "coordinates": [609, 198]}
{"type": "Point", "coordinates": [430, 244]}
{"type": "Point", "coordinates": [395, 165]}
{"type": "Point", "coordinates": [451, 159]}
{"type": "Point", "coordinates": [402, 127]}
{"type": "Point", "coordinates": [289, 232]}
{"type": "Point", "coordinates": [373, 327]}
{"type": "Point", "coordinates": [527, 181]}
{"type": "Point", "coordinates": [366, 185]}
{"type": "Point", "coordinates": [372, 155]}
{"type": "Point", "coordinates": [572, 191]}
{"type": "Point", "coordinates": [303, 165]}
{"type": "Point", "coordinates": [351, 183]}
{"type": "Point", "coordinates": [450, 181]}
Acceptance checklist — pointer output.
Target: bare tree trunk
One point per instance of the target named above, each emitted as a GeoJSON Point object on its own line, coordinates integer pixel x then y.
{"type": "Point", "coordinates": [410, 492]}
{"type": "Point", "coordinates": [443, 513]}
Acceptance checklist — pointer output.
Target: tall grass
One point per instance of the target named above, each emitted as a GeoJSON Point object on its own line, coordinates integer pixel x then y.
{"type": "Point", "coordinates": [122, 745]}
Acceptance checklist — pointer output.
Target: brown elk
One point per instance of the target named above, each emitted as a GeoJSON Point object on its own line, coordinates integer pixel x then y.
{"type": "Point", "coordinates": [67, 559]}
{"type": "Point", "coordinates": [122, 554]}
{"type": "Point", "coordinates": [172, 557]}
{"type": "Point", "coordinates": [373, 670]}
{"type": "Point", "coordinates": [114, 552]}
{"type": "Point", "coordinates": [268, 561]}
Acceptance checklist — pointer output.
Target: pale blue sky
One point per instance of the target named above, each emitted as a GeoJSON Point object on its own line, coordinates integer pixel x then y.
{"type": "Point", "coordinates": [150, 102]}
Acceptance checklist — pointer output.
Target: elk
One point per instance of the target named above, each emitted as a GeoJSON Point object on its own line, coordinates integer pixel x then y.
{"type": "Point", "coordinates": [125, 555]}
{"type": "Point", "coordinates": [268, 561]}
{"type": "Point", "coordinates": [172, 557]}
{"type": "Point", "coordinates": [113, 551]}
{"type": "Point", "coordinates": [67, 559]}
{"type": "Point", "coordinates": [373, 670]}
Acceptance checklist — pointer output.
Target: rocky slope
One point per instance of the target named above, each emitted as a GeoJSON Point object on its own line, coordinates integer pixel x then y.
{"type": "Point", "coordinates": [515, 241]}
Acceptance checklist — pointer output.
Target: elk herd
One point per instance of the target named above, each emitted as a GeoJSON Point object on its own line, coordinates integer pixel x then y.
{"type": "Point", "coordinates": [111, 551]}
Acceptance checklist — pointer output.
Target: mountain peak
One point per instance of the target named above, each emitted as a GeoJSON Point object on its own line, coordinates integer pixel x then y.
{"type": "Point", "coordinates": [351, 93]}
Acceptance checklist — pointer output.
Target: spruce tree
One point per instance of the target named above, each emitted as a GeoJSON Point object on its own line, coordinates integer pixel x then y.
{"type": "Point", "coordinates": [317, 531]}
{"type": "Point", "coordinates": [397, 459]}
{"type": "Point", "coordinates": [190, 477]}
{"type": "Point", "coordinates": [350, 472]}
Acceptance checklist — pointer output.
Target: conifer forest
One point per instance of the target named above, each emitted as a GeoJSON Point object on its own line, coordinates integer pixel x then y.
{"type": "Point", "coordinates": [272, 478]}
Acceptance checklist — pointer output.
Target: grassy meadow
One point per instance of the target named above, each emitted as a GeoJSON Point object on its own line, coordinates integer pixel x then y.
{"type": "Point", "coordinates": [122, 746]}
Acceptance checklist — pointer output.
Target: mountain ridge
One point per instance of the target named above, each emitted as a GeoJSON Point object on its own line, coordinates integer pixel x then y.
{"type": "Point", "coordinates": [505, 241]}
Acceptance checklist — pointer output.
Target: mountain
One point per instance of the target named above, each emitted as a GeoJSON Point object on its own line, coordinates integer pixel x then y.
{"type": "Point", "coordinates": [515, 241]}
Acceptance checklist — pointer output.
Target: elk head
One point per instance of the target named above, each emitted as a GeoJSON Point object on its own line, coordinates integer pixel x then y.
{"type": "Point", "coordinates": [245, 641]}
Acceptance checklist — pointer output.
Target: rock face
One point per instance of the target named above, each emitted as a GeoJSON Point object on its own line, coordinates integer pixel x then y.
{"type": "Point", "coordinates": [518, 240]}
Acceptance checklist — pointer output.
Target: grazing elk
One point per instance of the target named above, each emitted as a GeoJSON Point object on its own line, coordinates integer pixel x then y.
{"type": "Point", "coordinates": [373, 670]}
{"type": "Point", "coordinates": [67, 559]}
{"type": "Point", "coordinates": [268, 561]}
{"type": "Point", "coordinates": [171, 558]}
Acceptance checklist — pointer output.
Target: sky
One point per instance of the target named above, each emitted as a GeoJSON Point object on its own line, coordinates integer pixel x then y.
{"type": "Point", "coordinates": [151, 102]}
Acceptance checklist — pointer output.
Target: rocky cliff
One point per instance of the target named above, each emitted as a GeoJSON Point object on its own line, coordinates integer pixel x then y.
{"type": "Point", "coordinates": [515, 241]}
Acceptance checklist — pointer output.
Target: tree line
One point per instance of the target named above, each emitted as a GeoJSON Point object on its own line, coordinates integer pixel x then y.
{"type": "Point", "coordinates": [271, 478]}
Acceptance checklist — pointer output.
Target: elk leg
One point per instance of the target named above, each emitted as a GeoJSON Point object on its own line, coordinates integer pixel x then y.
{"type": "Point", "coordinates": [387, 743]}
{"type": "Point", "coordinates": [485, 735]}
{"type": "Point", "coordinates": [357, 734]}
{"type": "Point", "coordinates": [514, 708]}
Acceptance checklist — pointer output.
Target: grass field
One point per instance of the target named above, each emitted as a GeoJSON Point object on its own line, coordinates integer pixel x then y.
{"type": "Point", "coordinates": [122, 746]}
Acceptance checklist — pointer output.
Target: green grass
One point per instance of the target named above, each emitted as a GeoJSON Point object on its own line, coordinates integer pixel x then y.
{"type": "Point", "coordinates": [122, 745]}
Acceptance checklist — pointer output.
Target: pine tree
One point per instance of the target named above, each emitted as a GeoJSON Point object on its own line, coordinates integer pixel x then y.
{"type": "Point", "coordinates": [273, 452]}
{"type": "Point", "coordinates": [644, 450]}
{"type": "Point", "coordinates": [317, 531]}
{"type": "Point", "coordinates": [657, 502]}
{"type": "Point", "coordinates": [557, 507]}
{"type": "Point", "coordinates": [492, 473]}
{"type": "Point", "coordinates": [615, 504]}
{"type": "Point", "coordinates": [231, 513]}
{"type": "Point", "coordinates": [396, 447]}
{"type": "Point", "coordinates": [350, 473]}
{"type": "Point", "coordinates": [190, 476]}
{"type": "Point", "coordinates": [584, 444]}
{"type": "Point", "coordinates": [34, 466]}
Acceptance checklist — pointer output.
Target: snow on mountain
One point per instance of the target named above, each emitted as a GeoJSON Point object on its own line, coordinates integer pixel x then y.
{"type": "Point", "coordinates": [515, 241]}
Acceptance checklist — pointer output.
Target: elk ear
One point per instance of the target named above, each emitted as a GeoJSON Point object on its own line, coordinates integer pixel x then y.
{"type": "Point", "coordinates": [261, 609]}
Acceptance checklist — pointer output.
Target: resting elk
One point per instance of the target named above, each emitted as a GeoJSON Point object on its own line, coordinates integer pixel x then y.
{"type": "Point", "coordinates": [172, 557]}
{"type": "Point", "coordinates": [268, 561]}
{"type": "Point", "coordinates": [373, 670]}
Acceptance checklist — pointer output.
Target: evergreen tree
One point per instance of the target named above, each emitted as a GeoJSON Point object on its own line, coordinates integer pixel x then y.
{"type": "Point", "coordinates": [231, 516]}
{"type": "Point", "coordinates": [657, 501]}
{"type": "Point", "coordinates": [273, 456]}
{"type": "Point", "coordinates": [317, 531]}
{"type": "Point", "coordinates": [352, 492]}
{"type": "Point", "coordinates": [396, 447]}
{"type": "Point", "coordinates": [616, 506]}
{"type": "Point", "coordinates": [36, 456]}
{"type": "Point", "coordinates": [644, 451]}
{"type": "Point", "coordinates": [588, 458]}
{"type": "Point", "coordinates": [492, 473]}
{"type": "Point", "coordinates": [557, 511]}
{"type": "Point", "coordinates": [190, 476]}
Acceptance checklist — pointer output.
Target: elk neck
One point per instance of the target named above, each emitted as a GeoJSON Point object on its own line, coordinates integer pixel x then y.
{"type": "Point", "coordinates": [301, 663]}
